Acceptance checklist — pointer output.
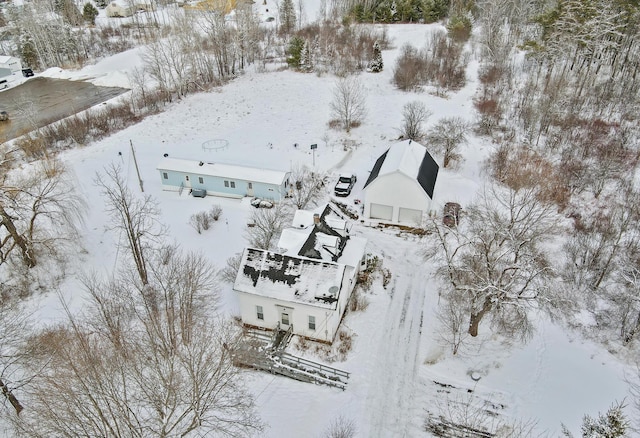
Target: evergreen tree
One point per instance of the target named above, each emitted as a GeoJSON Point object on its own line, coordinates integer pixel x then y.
{"type": "Point", "coordinates": [287, 16]}
{"type": "Point", "coordinates": [613, 424]}
{"type": "Point", "coordinates": [89, 13]}
{"type": "Point", "coordinates": [294, 52]}
{"type": "Point", "coordinates": [306, 58]}
{"type": "Point", "coordinates": [28, 51]}
{"type": "Point", "coordinates": [377, 64]}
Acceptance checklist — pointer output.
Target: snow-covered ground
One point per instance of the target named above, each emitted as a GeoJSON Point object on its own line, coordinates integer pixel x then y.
{"type": "Point", "coordinates": [397, 355]}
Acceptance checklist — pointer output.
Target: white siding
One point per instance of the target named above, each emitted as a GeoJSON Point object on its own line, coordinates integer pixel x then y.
{"type": "Point", "coordinates": [396, 190]}
{"type": "Point", "coordinates": [379, 211]}
{"type": "Point", "coordinates": [411, 216]}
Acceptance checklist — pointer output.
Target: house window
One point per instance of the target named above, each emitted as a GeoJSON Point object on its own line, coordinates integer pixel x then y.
{"type": "Point", "coordinates": [285, 318]}
{"type": "Point", "coordinates": [186, 178]}
{"type": "Point", "coordinates": [312, 322]}
{"type": "Point", "coordinates": [226, 183]}
{"type": "Point", "coordinates": [233, 184]}
{"type": "Point", "coordinates": [250, 185]}
{"type": "Point", "coordinates": [260, 313]}
{"type": "Point", "coordinates": [165, 175]}
{"type": "Point", "coordinates": [201, 180]}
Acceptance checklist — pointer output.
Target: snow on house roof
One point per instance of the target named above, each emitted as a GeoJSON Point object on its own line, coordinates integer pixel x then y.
{"type": "Point", "coordinates": [328, 240]}
{"type": "Point", "coordinates": [5, 59]}
{"type": "Point", "coordinates": [288, 278]}
{"type": "Point", "coordinates": [410, 158]}
{"type": "Point", "coordinates": [222, 170]}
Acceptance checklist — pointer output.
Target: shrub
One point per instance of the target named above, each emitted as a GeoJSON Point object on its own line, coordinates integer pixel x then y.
{"type": "Point", "coordinates": [407, 74]}
{"type": "Point", "coordinates": [215, 212]}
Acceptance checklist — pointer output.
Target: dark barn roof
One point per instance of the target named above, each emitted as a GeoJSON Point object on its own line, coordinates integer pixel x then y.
{"type": "Point", "coordinates": [428, 173]}
{"type": "Point", "coordinates": [405, 156]}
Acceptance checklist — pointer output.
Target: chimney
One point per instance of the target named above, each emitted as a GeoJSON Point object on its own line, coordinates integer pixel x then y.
{"type": "Point", "coordinates": [316, 219]}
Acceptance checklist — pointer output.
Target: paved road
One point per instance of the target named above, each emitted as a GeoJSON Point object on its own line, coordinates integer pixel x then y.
{"type": "Point", "coordinates": [40, 101]}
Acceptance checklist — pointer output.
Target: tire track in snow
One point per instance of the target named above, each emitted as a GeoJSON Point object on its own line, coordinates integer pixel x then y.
{"type": "Point", "coordinates": [390, 402]}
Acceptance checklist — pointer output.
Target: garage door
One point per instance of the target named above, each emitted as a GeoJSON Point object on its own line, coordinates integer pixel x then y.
{"type": "Point", "coordinates": [379, 211]}
{"type": "Point", "coordinates": [409, 215]}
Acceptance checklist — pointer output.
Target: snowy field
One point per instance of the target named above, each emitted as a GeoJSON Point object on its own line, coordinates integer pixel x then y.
{"type": "Point", "coordinates": [397, 355]}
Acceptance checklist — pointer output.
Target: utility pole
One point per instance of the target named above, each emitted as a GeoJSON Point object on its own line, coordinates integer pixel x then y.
{"type": "Point", "coordinates": [135, 162]}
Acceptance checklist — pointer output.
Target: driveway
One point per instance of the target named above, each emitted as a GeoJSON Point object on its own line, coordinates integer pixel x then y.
{"type": "Point", "coordinates": [40, 101]}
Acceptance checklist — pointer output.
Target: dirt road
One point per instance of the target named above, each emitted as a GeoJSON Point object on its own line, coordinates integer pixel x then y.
{"type": "Point", "coordinates": [40, 101]}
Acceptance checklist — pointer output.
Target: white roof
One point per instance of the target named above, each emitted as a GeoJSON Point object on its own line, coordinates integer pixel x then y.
{"type": "Point", "coordinates": [289, 278]}
{"type": "Point", "coordinates": [222, 170]}
{"type": "Point", "coordinates": [405, 157]}
{"type": "Point", "coordinates": [5, 59]}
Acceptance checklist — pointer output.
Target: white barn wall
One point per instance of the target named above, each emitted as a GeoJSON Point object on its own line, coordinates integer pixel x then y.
{"type": "Point", "coordinates": [397, 190]}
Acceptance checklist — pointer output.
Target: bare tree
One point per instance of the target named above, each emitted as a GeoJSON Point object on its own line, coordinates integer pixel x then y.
{"type": "Point", "coordinates": [39, 211]}
{"type": "Point", "coordinates": [136, 218]}
{"type": "Point", "coordinates": [267, 225]}
{"type": "Point", "coordinates": [349, 102]}
{"type": "Point", "coordinates": [15, 328]}
{"type": "Point", "coordinates": [414, 115]}
{"type": "Point", "coordinates": [147, 360]}
{"type": "Point", "coordinates": [494, 261]}
{"type": "Point", "coordinates": [306, 187]}
{"type": "Point", "coordinates": [341, 427]}
{"type": "Point", "coordinates": [447, 136]}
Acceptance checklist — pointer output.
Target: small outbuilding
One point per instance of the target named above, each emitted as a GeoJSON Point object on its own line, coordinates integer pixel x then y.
{"type": "Point", "coordinates": [401, 184]}
{"type": "Point", "coordinates": [220, 179]}
{"type": "Point", "coordinates": [9, 65]}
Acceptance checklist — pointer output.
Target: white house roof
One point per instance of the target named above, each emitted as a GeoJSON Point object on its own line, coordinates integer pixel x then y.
{"type": "Point", "coordinates": [289, 278]}
{"type": "Point", "coordinates": [411, 159]}
{"type": "Point", "coordinates": [5, 59]}
{"type": "Point", "coordinates": [223, 170]}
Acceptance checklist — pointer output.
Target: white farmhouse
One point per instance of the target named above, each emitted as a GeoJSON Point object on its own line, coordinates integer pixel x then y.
{"type": "Point", "coordinates": [120, 8]}
{"type": "Point", "coordinates": [400, 186]}
{"type": "Point", "coordinates": [306, 286]}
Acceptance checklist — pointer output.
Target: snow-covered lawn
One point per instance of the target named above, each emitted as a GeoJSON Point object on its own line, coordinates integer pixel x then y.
{"type": "Point", "coordinates": [397, 354]}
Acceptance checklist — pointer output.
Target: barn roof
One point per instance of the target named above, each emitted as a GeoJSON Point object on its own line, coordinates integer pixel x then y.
{"type": "Point", "coordinates": [410, 158]}
{"type": "Point", "coordinates": [222, 170]}
{"type": "Point", "coordinates": [290, 278]}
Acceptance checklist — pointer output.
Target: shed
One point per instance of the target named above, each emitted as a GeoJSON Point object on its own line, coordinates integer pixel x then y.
{"type": "Point", "coordinates": [222, 179]}
{"type": "Point", "coordinates": [401, 184]}
{"type": "Point", "coordinates": [11, 64]}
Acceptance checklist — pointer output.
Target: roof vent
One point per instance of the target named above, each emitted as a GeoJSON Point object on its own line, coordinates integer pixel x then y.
{"type": "Point", "coordinates": [200, 163]}
{"type": "Point", "coordinates": [165, 155]}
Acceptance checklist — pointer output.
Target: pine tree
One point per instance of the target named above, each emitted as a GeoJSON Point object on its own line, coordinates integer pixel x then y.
{"type": "Point", "coordinates": [376, 64]}
{"type": "Point", "coordinates": [613, 424]}
{"type": "Point", "coordinates": [287, 16]}
{"type": "Point", "coordinates": [89, 13]}
{"type": "Point", "coordinates": [294, 52]}
{"type": "Point", "coordinates": [306, 61]}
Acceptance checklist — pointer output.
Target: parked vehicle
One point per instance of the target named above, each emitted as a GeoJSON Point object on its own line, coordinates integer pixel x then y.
{"type": "Point", "coordinates": [451, 214]}
{"type": "Point", "coordinates": [345, 185]}
{"type": "Point", "coordinates": [4, 116]}
{"type": "Point", "coordinates": [4, 84]}
{"type": "Point", "coordinates": [261, 203]}
{"type": "Point", "coordinates": [198, 193]}
{"type": "Point", "coordinates": [27, 72]}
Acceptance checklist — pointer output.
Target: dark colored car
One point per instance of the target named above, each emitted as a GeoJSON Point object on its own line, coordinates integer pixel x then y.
{"type": "Point", "coordinates": [4, 116]}
{"type": "Point", "coordinates": [451, 216]}
{"type": "Point", "coordinates": [198, 193]}
{"type": "Point", "coordinates": [345, 185]}
{"type": "Point", "coordinates": [27, 72]}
